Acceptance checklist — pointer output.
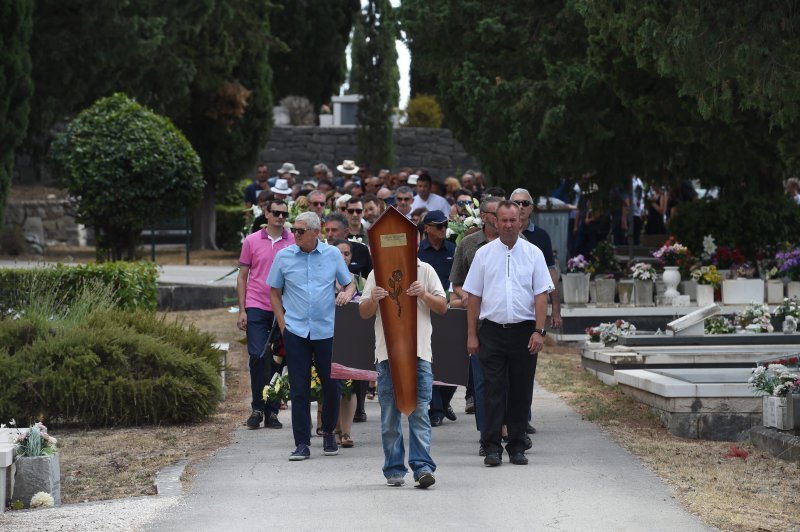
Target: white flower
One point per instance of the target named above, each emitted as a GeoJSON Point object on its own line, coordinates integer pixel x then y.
{"type": "Point", "coordinates": [469, 221]}
{"type": "Point", "coordinates": [448, 233]}
{"type": "Point", "coordinates": [42, 499]}
{"type": "Point", "coordinates": [709, 247]}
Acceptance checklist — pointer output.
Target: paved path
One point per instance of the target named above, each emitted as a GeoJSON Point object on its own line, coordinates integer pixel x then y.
{"type": "Point", "coordinates": [577, 479]}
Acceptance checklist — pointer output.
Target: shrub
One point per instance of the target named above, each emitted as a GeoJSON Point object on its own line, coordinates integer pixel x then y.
{"type": "Point", "coordinates": [230, 220]}
{"type": "Point", "coordinates": [748, 222]}
{"type": "Point", "coordinates": [423, 111]}
{"type": "Point", "coordinates": [301, 112]}
{"type": "Point", "coordinates": [12, 240]}
{"type": "Point", "coordinates": [129, 166]}
{"type": "Point", "coordinates": [55, 288]}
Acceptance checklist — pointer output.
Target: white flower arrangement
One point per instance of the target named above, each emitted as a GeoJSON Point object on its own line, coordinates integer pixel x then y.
{"type": "Point", "coordinates": [642, 271]}
{"type": "Point", "coordinates": [755, 318]}
{"type": "Point", "coordinates": [610, 332]}
{"type": "Point", "coordinates": [42, 499]}
{"type": "Point", "coordinates": [775, 379]}
{"type": "Point", "coordinates": [709, 248]}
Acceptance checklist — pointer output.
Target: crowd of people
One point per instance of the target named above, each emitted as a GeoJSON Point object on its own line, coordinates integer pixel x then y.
{"type": "Point", "coordinates": [292, 275]}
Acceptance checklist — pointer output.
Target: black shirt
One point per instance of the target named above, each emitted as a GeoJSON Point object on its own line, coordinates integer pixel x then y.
{"type": "Point", "coordinates": [441, 259]}
{"type": "Point", "coordinates": [539, 238]}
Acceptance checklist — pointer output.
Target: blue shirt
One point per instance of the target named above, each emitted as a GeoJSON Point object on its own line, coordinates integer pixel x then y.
{"type": "Point", "coordinates": [441, 259]}
{"type": "Point", "coordinates": [309, 288]}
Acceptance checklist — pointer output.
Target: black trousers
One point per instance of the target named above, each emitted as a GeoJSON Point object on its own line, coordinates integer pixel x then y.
{"type": "Point", "coordinates": [508, 369]}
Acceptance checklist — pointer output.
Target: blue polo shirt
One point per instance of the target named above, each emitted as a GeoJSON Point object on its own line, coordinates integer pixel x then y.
{"type": "Point", "coordinates": [441, 259]}
{"type": "Point", "coordinates": [308, 281]}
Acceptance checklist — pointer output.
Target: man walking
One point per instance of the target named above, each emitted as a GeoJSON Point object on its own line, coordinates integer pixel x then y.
{"type": "Point", "coordinates": [508, 283]}
{"type": "Point", "coordinates": [430, 296]}
{"type": "Point", "coordinates": [255, 308]}
{"type": "Point", "coordinates": [303, 292]}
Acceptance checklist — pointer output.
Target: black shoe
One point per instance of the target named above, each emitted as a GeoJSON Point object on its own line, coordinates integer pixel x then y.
{"type": "Point", "coordinates": [425, 480]}
{"type": "Point", "coordinates": [482, 451]}
{"type": "Point", "coordinates": [530, 429]}
{"type": "Point", "coordinates": [527, 441]}
{"type": "Point", "coordinates": [470, 408]}
{"type": "Point", "coordinates": [493, 459]}
{"type": "Point", "coordinates": [329, 447]}
{"type": "Point", "coordinates": [449, 413]}
{"type": "Point", "coordinates": [436, 421]}
{"type": "Point", "coordinates": [255, 419]}
{"type": "Point", "coordinates": [272, 422]}
{"type": "Point", "coordinates": [360, 417]}
{"type": "Point", "coordinates": [518, 458]}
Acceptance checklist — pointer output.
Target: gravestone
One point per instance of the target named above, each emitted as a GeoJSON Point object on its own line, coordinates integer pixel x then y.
{"type": "Point", "coordinates": [692, 323]}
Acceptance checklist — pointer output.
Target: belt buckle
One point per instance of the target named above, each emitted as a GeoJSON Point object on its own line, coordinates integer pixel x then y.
{"type": "Point", "coordinates": [505, 325]}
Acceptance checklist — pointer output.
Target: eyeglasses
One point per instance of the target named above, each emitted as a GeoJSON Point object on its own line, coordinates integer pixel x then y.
{"type": "Point", "coordinates": [402, 199]}
{"type": "Point", "coordinates": [523, 203]}
{"type": "Point", "coordinates": [318, 203]}
{"type": "Point", "coordinates": [279, 214]}
{"type": "Point", "coordinates": [355, 211]}
{"type": "Point", "coordinates": [298, 231]}
{"type": "Point", "coordinates": [440, 225]}
{"type": "Point", "coordinates": [462, 203]}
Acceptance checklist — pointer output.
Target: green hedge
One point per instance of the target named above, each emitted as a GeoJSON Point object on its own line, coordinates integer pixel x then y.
{"type": "Point", "coordinates": [230, 221]}
{"type": "Point", "coordinates": [118, 368]}
{"type": "Point", "coordinates": [133, 283]}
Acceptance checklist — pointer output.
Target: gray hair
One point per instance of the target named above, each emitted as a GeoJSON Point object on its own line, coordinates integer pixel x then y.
{"type": "Point", "coordinates": [522, 191]}
{"type": "Point", "coordinates": [311, 220]}
{"type": "Point", "coordinates": [490, 200]}
{"type": "Point", "coordinates": [404, 190]}
{"type": "Point", "coordinates": [321, 167]}
{"type": "Point", "coordinates": [316, 192]}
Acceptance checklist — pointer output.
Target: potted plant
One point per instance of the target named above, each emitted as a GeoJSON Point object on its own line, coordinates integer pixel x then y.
{"type": "Point", "coordinates": [606, 270]}
{"type": "Point", "coordinates": [672, 255]}
{"type": "Point", "coordinates": [781, 402]}
{"type": "Point", "coordinates": [723, 258]}
{"type": "Point", "coordinates": [610, 332]}
{"type": "Point", "coordinates": [789, 267]}
{"type": "Point", "coordinates": [789, 308]}
{"type": "Point", "coordinates": [576, 281]}
{"type": "Point", "coordinates": [742, 288]}
{"type": "Point", "coordinates": [707, 279]}
{"type": "Point", "coordinates": [644, 275]}
{"type": "Point", "coordinates": [36, 465]}
{"type": "Point", "coordinates": [755, 318]}
{"type": "Point", "coordinates": [775, 286]}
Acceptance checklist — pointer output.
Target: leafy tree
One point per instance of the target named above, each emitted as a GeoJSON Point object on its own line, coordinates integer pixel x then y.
{"type": "Point", "coordinates": [375, 77]}
{"type": "Point", "coordinates": [15, 86]}
{"type": "Point", "coordinates": [315, 34]}
{"type": "Point", "coordinates": [129, 166]}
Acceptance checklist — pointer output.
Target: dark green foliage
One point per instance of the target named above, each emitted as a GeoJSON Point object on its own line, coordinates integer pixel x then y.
{"type": "Point", "coordinates": [133, 283]}
{"type": "Point", "coordinates": [375, 77]}
{"type": "Point", "coordinates": [424, 111]}
{"type": "Point", "coordinates": [230, 221]}
{"type": "Point", "coordinates": [16, 85]}
{"type": "Point", "coordinates": [117, 368]}
{"type": "Point", "coordinates": [315, 34]}
{"type": "Point", "coordinates": [751, 223]}
{"type": "Point", "coordinates": [603, 259]}
{"type": "Point", "coordinates": [129, 166]}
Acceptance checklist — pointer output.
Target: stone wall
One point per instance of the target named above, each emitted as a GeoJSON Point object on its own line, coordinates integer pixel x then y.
{"type": "Point", "coordinates": [46, 222]}
{"type": "Point", "coordinates": [433, 149]}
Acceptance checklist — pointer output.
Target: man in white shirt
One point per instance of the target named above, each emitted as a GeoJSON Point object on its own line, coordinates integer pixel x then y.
{"type": "Point", "coordinates": [508, 285]}
{"type": "Point", "coordinates": [430, 296]}
{"type": "Point", "coordinates": [427, 199]}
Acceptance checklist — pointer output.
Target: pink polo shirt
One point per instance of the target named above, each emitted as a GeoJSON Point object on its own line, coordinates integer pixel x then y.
{"type": "Point", "coordinates": [258, 253]}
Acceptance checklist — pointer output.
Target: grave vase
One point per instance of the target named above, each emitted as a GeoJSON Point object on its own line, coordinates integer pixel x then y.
{"type": "Point", "coordinates": [576, 288]}
{"type": "Point", "coordinates": [643, 293]}
{"type": "Point", "coordinates": [793, 289]}
{"type": "Point", "coordinates": [705, 295]}
{"type": "Point", "coordinates": [782, 413]}
{"type": "Point", "coordinates": [625, 292]}
{"type": "Point", "coordinates": [606, 290]}
{"type": "Point", "coordinates": [774, 292]}
{"type": "Point", "coordinates": [34, 474]}
{"type": "Point", "coordinates": [742, 291]}
{"type": "Point", "coordinates": [671, 279]}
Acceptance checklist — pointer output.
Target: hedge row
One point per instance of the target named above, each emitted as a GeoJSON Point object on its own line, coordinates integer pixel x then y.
{"type": "Point", "coordinates": [117, 368]}
{"type": "Point", "coordinates": [133, 283]}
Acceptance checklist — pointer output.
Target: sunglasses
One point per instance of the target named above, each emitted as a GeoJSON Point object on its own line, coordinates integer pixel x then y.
{"type": "Point", "coordinates": [463, 203]}
{"type": "Point", "coordinates": [298, 231]}
{"type": "Point", "coordinates": [402, 199]}
{"type": "Point", "coordinates": [440, 225]}
{"type": "Point", "coordinates": [318, 203]}
{"type": "Point", "coordinates": [355, 211]}
{"type": "Point", "coordinates": [279, 214]}
{"type": "Point", "coordinates": [523, 203]}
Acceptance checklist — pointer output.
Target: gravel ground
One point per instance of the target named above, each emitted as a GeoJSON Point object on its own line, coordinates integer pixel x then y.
{"type": "Point", "coordinates": [119, 515]}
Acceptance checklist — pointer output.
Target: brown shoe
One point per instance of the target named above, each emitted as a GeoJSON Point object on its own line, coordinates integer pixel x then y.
{"type": "Point", "coordinates": [347, 441]}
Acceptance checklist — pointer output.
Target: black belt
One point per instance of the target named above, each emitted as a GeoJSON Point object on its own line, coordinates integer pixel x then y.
{"type": "Point", "coordinates": [525, 323]}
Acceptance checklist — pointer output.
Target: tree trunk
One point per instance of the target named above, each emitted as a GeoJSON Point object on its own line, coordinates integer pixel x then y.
{"type": "Point", "coordinates": [204, 221]}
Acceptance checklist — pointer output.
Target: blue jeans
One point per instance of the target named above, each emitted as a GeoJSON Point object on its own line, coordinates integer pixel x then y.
{"type": "Point", "coordinates": [419, 425]}
{"type": "Point", "coordinates": [480, 399]}
{"type": "Point", "coordinates": [259, 326]}
{"type": "Point", "coordinates": [299, 354]}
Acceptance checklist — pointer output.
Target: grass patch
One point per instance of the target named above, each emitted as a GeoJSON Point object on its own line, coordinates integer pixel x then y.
{"type": "Point", "coordinates": [760, 493]}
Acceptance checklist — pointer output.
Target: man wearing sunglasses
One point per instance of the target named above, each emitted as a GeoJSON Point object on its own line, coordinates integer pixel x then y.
{"type": "Point", "coordinates": [316, 202]}
{"type": "Point", "coordinates": [256, 314]}
{"type": "Point", "coordinates": [403, 198]}
{"type": "Point", "coordinates": [437, 251]}
{"type": "Point", "coordinates": [303, 295]}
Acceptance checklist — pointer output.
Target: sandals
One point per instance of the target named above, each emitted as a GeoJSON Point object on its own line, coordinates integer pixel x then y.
{"type": "Point", "coordinates": [371, 392]}
{"type": "Point", "coordinates": [347, 441]}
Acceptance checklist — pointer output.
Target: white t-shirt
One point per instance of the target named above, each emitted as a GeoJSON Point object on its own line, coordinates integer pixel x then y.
{"type": "Point", "coordinates": [427, 276]}
{"type": "Point", "coordinates": [434, 203]}
{"type": "Point", "coordinates": [507, 280]}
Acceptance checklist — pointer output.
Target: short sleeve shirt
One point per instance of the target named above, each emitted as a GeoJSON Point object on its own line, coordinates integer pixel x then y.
{"type": "Point", "coordinates": [258, 253]}
{"type": "Point", "coordinates": [308, 281]}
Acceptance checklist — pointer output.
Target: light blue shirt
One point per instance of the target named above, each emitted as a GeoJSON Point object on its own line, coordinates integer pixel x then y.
{"type": "Point", "coordinates": [309, 288]}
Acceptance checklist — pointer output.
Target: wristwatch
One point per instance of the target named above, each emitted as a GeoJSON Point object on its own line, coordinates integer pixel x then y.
{"type": "Point", "coordinates": [541, 331]}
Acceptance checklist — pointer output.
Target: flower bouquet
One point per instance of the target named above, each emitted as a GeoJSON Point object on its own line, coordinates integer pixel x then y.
{"type": "Point", "coordinates": [789, 307]}
{"type": "Point", "coordinates": [789, 264]}
{"type": "Point", "coordinates": [775, 380]}
{"type": "Point", "coordinates": [277, 389]}
{"type": "Point", "coordinates": [35, 442]}
{"type": "Point", "coordinates": [706, 275]}
{"type": "Point", "coordinates": [610, 332]}
{"type": "Point", "coordinates": [642, 271]}
{"type": "Point", "coordinates": [724, 257]}
{"type": "Point", "coordinates": [672, 253]}
{"type": "Point", "coordinates": [755, 318]}
{"type": "Point", "coordinates": [316, 386]}
{"type": "Point", "coordinates": [458, 228]}
{"type": "Point", "coordinates": [718, 325]}
{"type": "Point", "coordinates": [578, 264]}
